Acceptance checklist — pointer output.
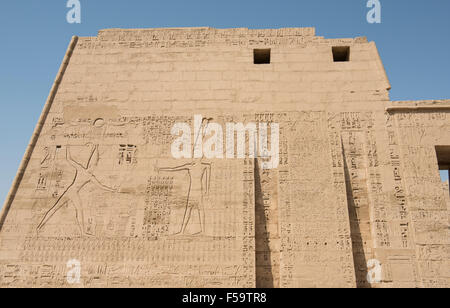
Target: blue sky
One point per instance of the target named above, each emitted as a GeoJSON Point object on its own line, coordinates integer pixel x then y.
{"type": "Point", "coordinates": [413, 40]}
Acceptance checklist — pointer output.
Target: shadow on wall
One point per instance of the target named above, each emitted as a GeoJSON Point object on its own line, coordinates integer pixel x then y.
{"type": "Point", "coordinates": [263, 263]}
{"type": "Point", "coordinates": [359, 257]}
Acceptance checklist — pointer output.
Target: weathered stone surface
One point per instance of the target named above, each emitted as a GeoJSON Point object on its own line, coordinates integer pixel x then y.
{"type": "Point", "coordinates": [357, 178]}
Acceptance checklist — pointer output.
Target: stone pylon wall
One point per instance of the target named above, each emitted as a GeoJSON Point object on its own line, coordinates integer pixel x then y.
{"type": "Point", "coordinates": [357, 178]}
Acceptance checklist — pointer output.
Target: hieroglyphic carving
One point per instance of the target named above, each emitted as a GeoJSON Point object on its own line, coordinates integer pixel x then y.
{"type": "Point", "coordinates": [248, 222]}
{"type": "Point", "coordinates": [377, 198]}
{"type": "Point", "coordinates": [200, 37]}
{"type": "Point", "coordinates": [339, 169]}
{"type": "Point", "coordinates": [157, 212]}
{"type": "Point", "coordinates": [156, 129]}
{"type": "Point", "coordinates": [401, 212]}
{"type": "Point", "coordinates": [305, 246]}
{"type": "Point", "coordinates": [127, 154]}
{"type": "Point", "coordinates": [45, 170]}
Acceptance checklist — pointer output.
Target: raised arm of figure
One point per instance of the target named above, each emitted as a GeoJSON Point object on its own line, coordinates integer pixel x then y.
{"type": "Point", "coordinates": [93, 158]}
{"type": "Point", "coordinates": [71, 160]}
{"type": "Point", "coordinates": [184, 167]}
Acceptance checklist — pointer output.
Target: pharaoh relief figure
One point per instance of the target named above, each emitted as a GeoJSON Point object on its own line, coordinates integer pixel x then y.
{"type": "Point", "coordinates": [199, 172]}
{"type": "Point", "coordinates": [84, 175]}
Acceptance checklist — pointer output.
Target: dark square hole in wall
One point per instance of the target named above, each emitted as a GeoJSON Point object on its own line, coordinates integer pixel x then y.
{"type": "Point", "coordinates": [261, 56]}
{"type": "Point", "coordinates": [443, 158]}
{"type": "Point", "coordinates": [341, 54]}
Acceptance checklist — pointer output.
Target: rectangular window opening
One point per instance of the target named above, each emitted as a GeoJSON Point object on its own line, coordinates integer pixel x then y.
{"type": "Point", "coordinates": [341, 53]}
{"type": "Point", "coordinates": [261, 56]}
{"type": "Point", "coordinates": [443, 158]}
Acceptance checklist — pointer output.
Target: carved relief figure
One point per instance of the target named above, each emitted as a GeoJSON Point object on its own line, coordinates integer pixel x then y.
{"type": "Point", "coordinates": [83, 176]}
{"type": "Point", "coordinates": [199, 186]}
